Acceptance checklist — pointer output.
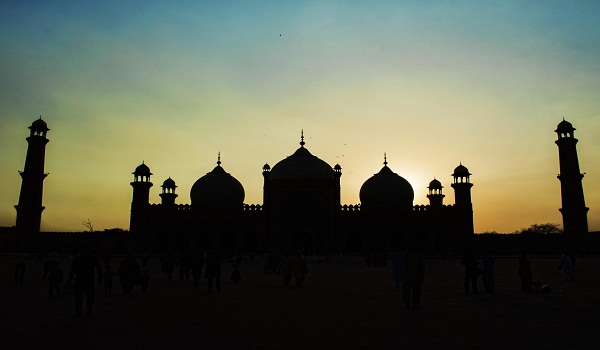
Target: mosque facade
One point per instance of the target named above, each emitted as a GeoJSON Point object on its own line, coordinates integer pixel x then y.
{"type": "Point", "coordinates": [301, 210]}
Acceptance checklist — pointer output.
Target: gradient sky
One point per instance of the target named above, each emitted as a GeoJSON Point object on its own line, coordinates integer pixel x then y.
{"type": "Point", "coordinates": [432, 83]}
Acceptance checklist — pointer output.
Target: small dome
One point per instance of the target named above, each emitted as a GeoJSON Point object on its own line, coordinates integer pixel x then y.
{"type": "Point", "coordinates": [564, 127]}
{"type": "Point", "coordinates": [461, 171]}
{"type": "Point", "coordinates": [435, 185]}
{"type": "Point", "coordinates": [169, 183]}
{"type": "Point", "coordinates": [302, 165]}
{"type": "Point", "coordinates": [39, 125]}
{"type": "Point", "coordinates": [386, 189]}
{"type": "Point", "coordinates": [142, 170]}
{"type": "Point", "coordinates": [266, 167]}
{"type": "Point", "coordinates": [217, 186]}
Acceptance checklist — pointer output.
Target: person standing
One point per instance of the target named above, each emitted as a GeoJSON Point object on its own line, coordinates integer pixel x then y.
{"type": "Point", "coordinates": [184, 267]}
{"type": "Point", "coordinates": [108, 280]}
{"type": "Point", "coordinates": [236, 275]}
{"type": "Point", "coordinates": [213, 271]}
{"type": "Point", "coordinates": [398, 267]}
{"type": "Point", "coordinates": [20, 266]}
{"type": "Point", "coordinates": [488, 273]}
{"type": "Point", "coordinates": [54, 279]}
{"type": "Point", "coordinates": [83, 270]}
{"type": "Point", "coordinates": [566, 265]}
{"type": "Point", "coordinates": [470, 262]}
{"type": "Point", "coordinates": [129, 273]}
{"type": "Point", "coordinates": [414, 274]}
{"type": "Point", "coordinates": [51, 258]}
{"type": "Point", "coordinates": [286, 268]}
{"type": "Point", "coordinates": [525, 273]}
{"type": "Point", "coordinates": [300, 269]}
{"type": "Point", "coordinates": [196, 264]}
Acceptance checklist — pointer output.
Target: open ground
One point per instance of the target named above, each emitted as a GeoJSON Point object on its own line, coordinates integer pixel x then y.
{"type": "Point", "coordinates": [343, 304]}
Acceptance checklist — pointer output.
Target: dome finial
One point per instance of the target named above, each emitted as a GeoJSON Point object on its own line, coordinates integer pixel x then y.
{"type": "Point", "coordinates": [302, 138]}
{"type": "Point", "coordinates": [219, 159]}
{"type": "Point", "coordinates": [385, 159]}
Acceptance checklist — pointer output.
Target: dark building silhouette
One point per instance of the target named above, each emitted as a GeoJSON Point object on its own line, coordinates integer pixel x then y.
{"type": "Point", "coordinates": [574, 211]}
{"type": "Point", "coordinates": [29, 209]}
{"type": "Point", "coordinates": [301, 210]}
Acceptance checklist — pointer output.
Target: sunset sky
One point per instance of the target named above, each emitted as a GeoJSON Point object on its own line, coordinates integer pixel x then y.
{"type": "Point", "coordinates": [172, 83]}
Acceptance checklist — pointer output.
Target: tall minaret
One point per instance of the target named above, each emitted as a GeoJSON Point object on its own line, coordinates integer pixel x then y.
{"type": "Point", "coordinates": [29, 209]}
{"type": "Point", "coordinates": [462, 198]}
{"type": "Point", "coordinates": [573, 209]}
{"type": "Point", "coordinates": [141, 199]}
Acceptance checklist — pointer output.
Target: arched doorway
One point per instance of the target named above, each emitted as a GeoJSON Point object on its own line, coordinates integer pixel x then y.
{"type": "Point", "coordinates": [227, 241]}
{"type": "Point", "coordinates": [249, 242]}
{"type": "Point", "coordinates": [353, 243]}
{"type": "Point", "coordinates": [302, 241]}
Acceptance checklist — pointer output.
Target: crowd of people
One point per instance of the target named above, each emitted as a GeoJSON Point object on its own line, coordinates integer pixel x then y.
{"type": "Point", "coordinates": [83, 271]}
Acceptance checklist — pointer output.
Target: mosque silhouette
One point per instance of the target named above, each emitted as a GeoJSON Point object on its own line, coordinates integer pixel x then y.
{"type": "Point", "coordinates": [301, 208]}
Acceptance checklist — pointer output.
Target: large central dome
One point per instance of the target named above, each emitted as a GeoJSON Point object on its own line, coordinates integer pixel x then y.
{"type": "Point", "coordinates": [302, 165]}
{"type": "Point", "coordinates": [217, 186]}
{"type": "Point", "coordinates": [386, 189]}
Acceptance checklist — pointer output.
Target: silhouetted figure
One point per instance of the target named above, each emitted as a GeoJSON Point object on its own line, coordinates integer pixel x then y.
{"type": "Point", "coordinates": [108, 279]}
{"type": "Point", "coordinates": [488, 273]}
{"type": "Point", "coordinates": [300, 268]}
{"type": "Point", "coordinates": [184, 267]}
{"type": "Point", "coordinates": [196, 263]}
{"type": "Point", "coordinates": [566, 266]}
{"type": "Point", "coordinates": [83, 271]}
{"type": "Point", "coordinates": [470, 262]}
{"type": "Point", "coordinates": [20, 266]}
{"type": "Point", "coordinates": [268, 263]}
{"type": "Point", "coordinates": [398, 267]}
{"type": "Point", "coordinates": [168, 265]}
{"type": "Point", "coordinates": [105, 257]}
{"type": "Point", "coordinates": [54, 279]}
{"type": "Point", "coordinates": [129, 273]}
{"type": "Point", "coordinates": [70, 258]}
{"type": "Point", "coordinates": [50, 259]}
{"type": "Point", "coordinates": [213, 271]}
{"type": "Point", "coordinates": [236, 275]}
{"type": "Point", "coordinates": [145, 280]}
{"type": "Point", "coordinates": [525, 273]}
{"type": "Point", "coordinates": [145, 256]}
{"type": "Point", "coordinates": [414, 274]}
{"type": "Point", "coordinates": [286, 268]}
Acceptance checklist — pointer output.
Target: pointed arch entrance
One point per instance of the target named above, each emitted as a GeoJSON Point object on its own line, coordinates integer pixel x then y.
{"type": "Point", "coordinates": [302, 241]}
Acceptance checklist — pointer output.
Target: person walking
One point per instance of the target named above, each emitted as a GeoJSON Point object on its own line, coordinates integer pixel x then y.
{"type": "Point", "coordinates": [525, 273]}
{"type": "Point", "coordinates": [470, 262]}
{"type": "Point", "coordinates": [129, 273]}
{"type": "Point", "coordinates": [213, 271]}
{"type": "Point", "coordinates": [489, 284]}
{"type": "Point", "coordinates": [414, 275]}
{"type": "Point", "coordinates": [300, 268]}
{"type": "Point", "coordinates": [196, 264]}
{"type": "Point", "coordinates": [83, 270]}
{"type": "Point", "coordinates": [398, 267]}
{"type": "Point", "coordinates": [20, 266]}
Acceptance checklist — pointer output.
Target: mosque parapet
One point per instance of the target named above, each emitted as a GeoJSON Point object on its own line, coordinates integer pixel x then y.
{"type": "Point", "coordinates": [253, 207]}
{"type": "Point", "coordinates": [350, 208]}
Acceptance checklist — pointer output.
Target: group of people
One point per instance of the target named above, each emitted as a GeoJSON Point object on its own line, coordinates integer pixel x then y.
{"type": "Point", "coordinates": [473, 271]}
{"type": "Point", "coordinates": [193, 262]}
{"type": "Point", "coordinates": [409, 269]}
{"type": "Point", "coordinates": [293, 265]}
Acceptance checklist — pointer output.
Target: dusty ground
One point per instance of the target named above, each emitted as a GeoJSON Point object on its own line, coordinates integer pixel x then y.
{"type": "Point", "coordinates": [341, 305]}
